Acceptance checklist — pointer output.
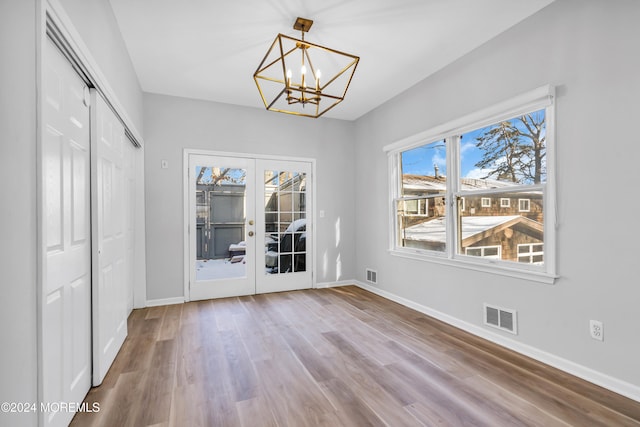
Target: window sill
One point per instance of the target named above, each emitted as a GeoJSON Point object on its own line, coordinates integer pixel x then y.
{"type": "Point", "coordinates": [485, 267]}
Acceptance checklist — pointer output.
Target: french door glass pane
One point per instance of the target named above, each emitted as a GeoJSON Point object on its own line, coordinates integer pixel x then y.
{"type": "Point", "coordinates": [285, 222]}
{"type": "Point", "coordinates": [220, 219]}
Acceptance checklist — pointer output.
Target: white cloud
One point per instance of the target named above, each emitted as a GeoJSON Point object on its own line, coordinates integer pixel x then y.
{"type": "Point", "coordinates": [477, 173]}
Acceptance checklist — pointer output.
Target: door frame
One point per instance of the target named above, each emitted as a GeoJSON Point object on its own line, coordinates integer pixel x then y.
{"type": "Point", "coordinates": [187, 210]}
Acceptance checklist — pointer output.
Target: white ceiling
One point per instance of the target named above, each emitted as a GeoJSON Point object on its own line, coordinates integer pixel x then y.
{"type": "Point", "coordinates": [209, 49]}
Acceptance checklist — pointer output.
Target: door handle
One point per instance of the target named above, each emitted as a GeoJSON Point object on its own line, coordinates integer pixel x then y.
{"type": "Point", "coordinates": [251, 234]}
{"type": "Point", "coordinates": [250, 222]}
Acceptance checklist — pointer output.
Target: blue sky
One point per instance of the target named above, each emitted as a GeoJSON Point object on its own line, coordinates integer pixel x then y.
{"type": "Point", "coordinates": [235, 174]}
{"type": "Point", "coordinates": [420, 160]}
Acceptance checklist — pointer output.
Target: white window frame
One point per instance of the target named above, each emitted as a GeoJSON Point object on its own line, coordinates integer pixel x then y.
{"type": "Point", "coordinates": [505, 203]}
{"type": "Point", "coordinates": [485, 202]}
{"type": "Point", "coordinates": [528, 203]}
{"type": "Point", "coordinates": [537, 99]}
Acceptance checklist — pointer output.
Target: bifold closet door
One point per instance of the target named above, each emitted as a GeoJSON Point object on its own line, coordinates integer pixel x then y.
{"type": "Point", "coordinates": [65, 352]}
{"type": "Point", "coordinates": [110, 206]}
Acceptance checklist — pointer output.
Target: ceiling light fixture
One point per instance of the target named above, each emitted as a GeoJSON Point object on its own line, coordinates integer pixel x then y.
{"type": "Point", "coordinates": [302, 78]}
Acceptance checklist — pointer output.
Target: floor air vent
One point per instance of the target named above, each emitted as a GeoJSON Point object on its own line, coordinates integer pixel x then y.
{"type": "Point", "coordinates": [501, 318]}
{"type": "Point", "coordinates": [372, 276]}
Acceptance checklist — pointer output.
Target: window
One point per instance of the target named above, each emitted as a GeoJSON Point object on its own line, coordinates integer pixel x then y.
{"type": "Point", "coordinates": [416, 207]}
{"type": "Point", "coordinates": [484, 251]}
{"type": "Point", "coordinates": [497, 155]}
{"type": "Point", "coordinates": [426, 185]}
{"type": "Point", "coordinates": [531, 253]}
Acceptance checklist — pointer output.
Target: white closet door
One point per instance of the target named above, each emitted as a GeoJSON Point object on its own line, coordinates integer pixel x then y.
{"type": "Point", "coordinates": [109, 212]}
{"type": "Point", "coordinates": [66, 236]}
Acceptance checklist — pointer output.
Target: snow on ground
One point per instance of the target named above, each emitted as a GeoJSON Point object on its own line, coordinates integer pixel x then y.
{"type": "Point", "coordinates": [215, 269]}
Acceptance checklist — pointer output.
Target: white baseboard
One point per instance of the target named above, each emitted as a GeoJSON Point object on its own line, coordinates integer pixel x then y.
{"type": "Point", "coordinates": [603, 380]}
{"type": "Point", "coordinates": [325, 285]}
{"type": "Point", "coordinates": [164, 301]}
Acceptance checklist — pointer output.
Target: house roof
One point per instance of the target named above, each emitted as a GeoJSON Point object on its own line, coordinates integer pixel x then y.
{"type": "Point", "coordinates": [429, 183]}
{"type": "Point", "coordinates": [473, 227]}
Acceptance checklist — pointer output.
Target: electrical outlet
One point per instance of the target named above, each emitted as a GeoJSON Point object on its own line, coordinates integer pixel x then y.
{"type": "Point", "coordinates": [596, 330]}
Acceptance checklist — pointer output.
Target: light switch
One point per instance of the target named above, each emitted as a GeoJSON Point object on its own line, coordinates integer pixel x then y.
{"type": "Point", "coordinates": [164, 164]}
{"type": "Point", "coordinates": [321, 214]}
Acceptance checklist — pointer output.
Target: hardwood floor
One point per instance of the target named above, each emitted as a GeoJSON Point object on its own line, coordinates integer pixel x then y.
{"type": "Point", "coordinates": [331, 357]}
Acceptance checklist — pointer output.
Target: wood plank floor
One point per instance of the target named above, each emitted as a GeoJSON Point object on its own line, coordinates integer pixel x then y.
{"type": "Point", "coordinates": [331, 357]}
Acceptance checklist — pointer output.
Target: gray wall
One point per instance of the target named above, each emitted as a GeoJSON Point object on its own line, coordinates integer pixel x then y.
{"type": "Point", "coordinates": [18, 363]}
{"type": "Point", "coordinates": [95, 22]}
{"type": "Point", "coordinates": [588, 48]}
{"type": "Point", "coordinates": [173, 124]}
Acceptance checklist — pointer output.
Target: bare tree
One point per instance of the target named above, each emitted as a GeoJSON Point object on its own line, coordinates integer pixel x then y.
{"type": "Point", "coordinates": [514, 150]}
{"type": "Point", "coordinates": [218, 176]}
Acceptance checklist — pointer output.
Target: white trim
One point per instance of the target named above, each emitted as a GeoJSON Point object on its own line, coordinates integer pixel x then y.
{"type": "Point", "coordinates": [340, 283]}
{"type": "Point", "coordinates": [505, 202]}
{"type": "Point", "coordinates": [540, 98]}
{"type": "Point", "coordinates": [164, 301]}
{"type": "Point", "coordinates": [535, 99]}
{"type": "Point", "coordinates": [528, 202]}
{"type": "Point", "coordinates": [603, 380]}
{"type": "Point", "coordinates": [491, 266]}
{"type": "Point", "coordinates": [550, 208]}
{"type": "Point", "coordinates": [188, 151]}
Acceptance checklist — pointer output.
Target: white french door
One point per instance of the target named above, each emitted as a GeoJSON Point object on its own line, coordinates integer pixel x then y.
{"type": "Point", "coordinates": [66, 237]}
{"type": "Point", "coordinates": [283, 223]}
{"type": "Point", "coordinates": [249, 226]}
{"type": "Point", "coordinates": [222, 226]}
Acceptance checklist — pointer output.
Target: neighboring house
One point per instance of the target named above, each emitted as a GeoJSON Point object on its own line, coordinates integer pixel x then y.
{"type": "Point", "coordinates": [285, 199]}
{"type": "Point", "coordinates": [508, 226]}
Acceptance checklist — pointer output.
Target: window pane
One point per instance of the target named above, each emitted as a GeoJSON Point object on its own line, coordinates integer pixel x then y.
{"type": "Point", "coordinates": [503, 232]}
{"type": "Point", "coordinates": [411, 207]}
{"type": "Point", "coordinates": [285, 221]}
{"type": "Point", "coordinates": [421, 220]}
{"type": "Point", "coordinates": [491, 252]}
{"type": "Point", "coordinates": [474, 251]}
{"type": "Point", "coordinates": [424, 170]}
{"type": "Point", "coordinates": [423, 231]}
{"type": "Point", "coordinates": [505, 153]}
{"type": "Point", "coordinates": [220, 215]}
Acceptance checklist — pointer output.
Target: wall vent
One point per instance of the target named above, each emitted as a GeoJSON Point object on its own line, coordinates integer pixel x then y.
{"type": "Point", "coordinates": [501, 318]}
{"type": "Point", "coordinates": [372, 276]}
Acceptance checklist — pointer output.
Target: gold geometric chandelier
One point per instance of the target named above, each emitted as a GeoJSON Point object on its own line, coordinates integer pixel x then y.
{"type": "Point", "coordinates": [302, 78]}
